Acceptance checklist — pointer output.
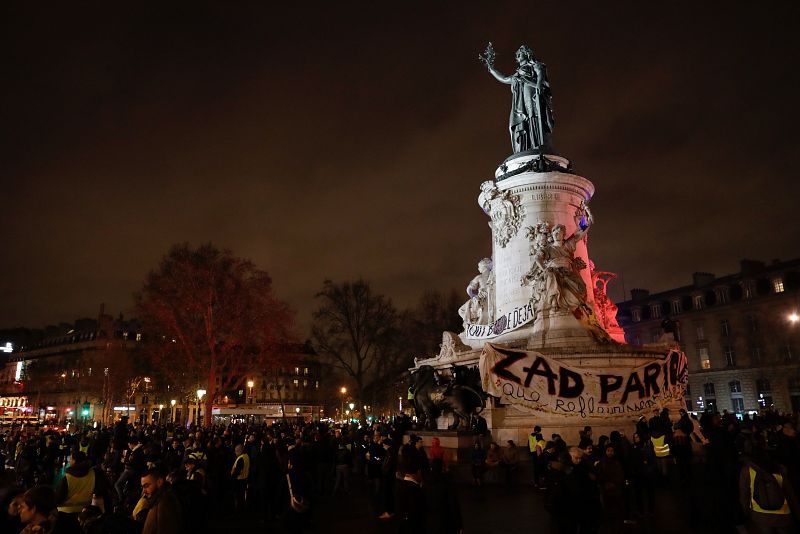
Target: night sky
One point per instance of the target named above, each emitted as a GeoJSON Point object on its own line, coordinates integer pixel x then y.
{"type": "Point", "coordinates": [349, 139]}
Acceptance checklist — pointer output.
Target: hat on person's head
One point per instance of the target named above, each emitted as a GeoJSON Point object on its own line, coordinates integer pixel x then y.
{"type": "Point", "coordinates": [413, 438]}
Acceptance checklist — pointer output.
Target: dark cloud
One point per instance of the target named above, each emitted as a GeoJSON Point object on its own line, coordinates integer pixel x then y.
{"type": "Point", "coordinates": [342, 140]}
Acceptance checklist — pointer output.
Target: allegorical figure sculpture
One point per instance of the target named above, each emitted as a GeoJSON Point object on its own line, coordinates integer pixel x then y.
{"type": "Point", "coordinates": [555, 272]}
{"type": "Point", "coordinates": [479, 309]}
{"type": "Point", "coordinates": [531, 120]}
{"type": "Point", "coordinates": [605, 308]}
{"type": "Point", "coordinates": [504, 209]}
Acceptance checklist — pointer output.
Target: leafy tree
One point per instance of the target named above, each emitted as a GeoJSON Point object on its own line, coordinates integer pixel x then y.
{"type": "Point", "coordinates": [358, 331]}
{"type": "Point", "coordinates": [212, 319]}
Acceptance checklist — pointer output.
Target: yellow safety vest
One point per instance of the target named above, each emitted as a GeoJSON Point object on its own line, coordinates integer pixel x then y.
{"type": "Point", "coordinates": [243, 474]}
{"type": "Point", "coordinates": [542, 444]}
{"type": "Point", "coordinates": [532, 443]}
{"type": "Point", "coordinates": [660, 446]}
{"type": "Point", "coordinates": [783, 510]}
{"type": "Point", "coordinates": [84, 448]}
{"type": "Point", "coordinates": [79, 493]}
{"type": "Point", "coordinates": [410, 394]}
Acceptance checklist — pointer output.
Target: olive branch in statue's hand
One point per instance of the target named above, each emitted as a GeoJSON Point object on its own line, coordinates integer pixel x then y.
{"type": "Point", "coordinates": [487, 58]}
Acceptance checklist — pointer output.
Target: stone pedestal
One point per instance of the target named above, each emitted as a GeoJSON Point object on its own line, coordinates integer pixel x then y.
{"type": "Point", "coordinates": [553, 197]}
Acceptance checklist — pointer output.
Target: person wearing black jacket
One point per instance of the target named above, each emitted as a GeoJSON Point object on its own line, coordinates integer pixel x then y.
{"type": "Point", "coordinates": [135, 466]}
{"type": "Point", "coordinates": [442, 501]}
{"type": "Point", "coordinates": [388, 478]}
{"type": "Point", "coordinates": [411, 502]}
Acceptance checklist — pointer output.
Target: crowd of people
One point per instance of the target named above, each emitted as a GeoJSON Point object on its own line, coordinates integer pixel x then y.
{"type": "Point", "coordinates": [731, 474]}
{"type": "Point", "coordinates": [169, 479]}
{"type": "Point", "coordinates": [164, 479]}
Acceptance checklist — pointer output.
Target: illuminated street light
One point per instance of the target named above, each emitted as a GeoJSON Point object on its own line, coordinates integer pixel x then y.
{"type": "Point", "coordinates": [173, 402]}
{"type": "Point", "coordinates": [343, 392]}
{"type": "Point", "coordinates": [793, 317]}
{"type": "Point", "coordinates": [200, 394]}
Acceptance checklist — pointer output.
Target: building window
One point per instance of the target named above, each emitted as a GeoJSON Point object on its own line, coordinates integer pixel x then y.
{"type": "Point", "coordinates": [794, 394]}
{"type": "Point", "coordinates": [705, 362]}
{"type": "Point", "coordinates": [138, 337]}
{"type": "Point", "coordinates": [730, 359]}
{"type": "Point", "coordinates": [701, 333]}
{"type": "Point", "coordinates": [297, 370]}
{"type": "Point", "coordinates": [305, 383]}
{"type": "Point", "coordinates": [305, 371]}
{"type": "Point", "coordinates": [726, 327]}
{"type": "Point", "coordinates": [736, 386]}
{"type": "Point", "coordinates": [124, 335]}
{"type": "Point", "coordinates": [737, 404]}
{"type": "Point", "coordinates": [747, 289]}
{"type": "Point", "coordinates": [316, 384]}
{"type": "Point", "coordinates": [722, 295]}
{"type": "Point", "coordinates": [756, 354]}
{"type": "Point", "coordinates": [708, 389]}
{"type": "Point", "coordinates": [655, 311]}
{"type": "Point", "coordinates": [763, 386]}
{"type": "Point", "coordinates": [777, 285]}
{"type": "Point", "coordinates": [676, 306]}
{"type": "Point", "coordinates": [656, 335]}
{"type": "Point", "coordinates": [296, 383]}
{"type": "Point", "coordinates": [636, 315]}
{"type": "Point", "coordinates": [752, 323]}
{"type": "Point", "coordinates": [698, 302]}
{"type": "Point", "coordinates": [788, 355]}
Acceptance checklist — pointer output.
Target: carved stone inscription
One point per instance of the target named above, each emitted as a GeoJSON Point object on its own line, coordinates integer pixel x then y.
{"type": "Point", "coordinates": [544, 195]}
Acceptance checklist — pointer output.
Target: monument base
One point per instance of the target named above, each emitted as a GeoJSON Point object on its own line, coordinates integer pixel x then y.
{"type": "Point", "coordinates": [509, 421]}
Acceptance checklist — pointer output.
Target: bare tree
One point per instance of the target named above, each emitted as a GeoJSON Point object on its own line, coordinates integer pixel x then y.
{"type": "Point", "coordinates": [358, 332]}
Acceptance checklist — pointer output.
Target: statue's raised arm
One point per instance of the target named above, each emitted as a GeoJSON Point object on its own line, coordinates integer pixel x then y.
{"type": "Point", "coordinates": [583, 221]}
{"type": "Point", "coordinates": [487, 58]}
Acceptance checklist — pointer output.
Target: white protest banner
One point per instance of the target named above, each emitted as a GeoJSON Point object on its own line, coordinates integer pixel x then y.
{"type": "Point", "coordinates": [507, 322]}
{"type": "Point", "coordinates": [539, 383]}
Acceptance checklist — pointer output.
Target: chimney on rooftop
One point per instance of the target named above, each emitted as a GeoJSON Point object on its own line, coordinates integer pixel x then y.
{"type": "Point", "coordinates": [639, 294]}
{"type": "Point", "coordinates": [702, 279]}
{"type": "Point", "coordinates": [751, 266]}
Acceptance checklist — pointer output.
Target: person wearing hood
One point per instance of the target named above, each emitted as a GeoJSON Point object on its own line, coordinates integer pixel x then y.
{"type": "Point", "coordinates": [437, 452]}
{"type": "Point", "coordinates": [80, 484]}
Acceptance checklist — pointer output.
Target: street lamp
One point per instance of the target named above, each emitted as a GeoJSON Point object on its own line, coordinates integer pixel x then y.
{"type": "Point", "coordinates": [343, 392]}
{"type": "Point", "coordinates": [793, 317]}
{"type": "Point", "coordinates": [250, 385]}
{"type": "Point", "coordinates": [200, 394]}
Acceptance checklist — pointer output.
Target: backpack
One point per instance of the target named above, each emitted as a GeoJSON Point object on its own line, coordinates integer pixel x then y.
{"type": "Point", "coordinates": [767, 491]}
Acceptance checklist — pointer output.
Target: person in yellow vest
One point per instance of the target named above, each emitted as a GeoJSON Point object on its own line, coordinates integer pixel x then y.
{"type": "Point", "coordinates": [661, 449]}
{"type": "Point", "coordinates": [80, 483]}
{"type": "Point", "coordinates": [239, 473]}
{"type": "Point", "coordinates": [774, 510]}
